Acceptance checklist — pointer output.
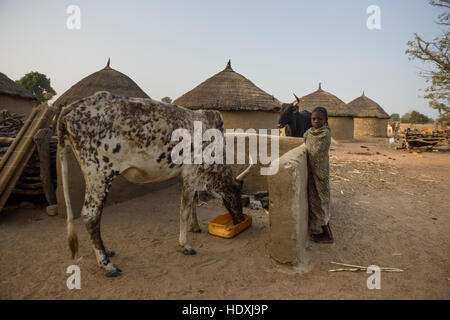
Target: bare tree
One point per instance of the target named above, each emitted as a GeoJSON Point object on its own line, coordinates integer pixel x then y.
{"type": "Point", "coordinates": [435, 52]}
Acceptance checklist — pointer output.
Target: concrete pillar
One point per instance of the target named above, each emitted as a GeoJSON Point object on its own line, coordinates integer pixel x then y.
{"type": "Point", "coordinates": [288, 209]}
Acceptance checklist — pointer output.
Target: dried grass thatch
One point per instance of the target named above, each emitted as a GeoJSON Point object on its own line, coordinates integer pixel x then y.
{"type": "Point", "coordinates": [228, 91]}
{"type": "Point", "coordinates": [335, 106]}
{"type": "Point", "coordinates": [364, 107]}
{"type": "Point", "coordinates": [9, 87]}
{"type": "Point", "coordinates": [106, 79]}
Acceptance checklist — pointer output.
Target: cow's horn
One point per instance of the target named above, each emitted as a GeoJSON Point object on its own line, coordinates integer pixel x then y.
{"type": "Point", "coordinates": [246, 171]}
{"type": "Point", "coordinates": [296, 98]}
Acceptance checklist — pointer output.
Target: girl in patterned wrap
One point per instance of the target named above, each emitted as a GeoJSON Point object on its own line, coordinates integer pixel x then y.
{"type": "Point", "coordinates": [317, 141]}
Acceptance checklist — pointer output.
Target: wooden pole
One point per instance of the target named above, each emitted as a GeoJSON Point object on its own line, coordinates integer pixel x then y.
{"type": "Point", "coordinates": [20, 151]}
{"type": "Point", "coordinates": [18, 138]}
{"type": "Point", "coordinates": [42, 140]}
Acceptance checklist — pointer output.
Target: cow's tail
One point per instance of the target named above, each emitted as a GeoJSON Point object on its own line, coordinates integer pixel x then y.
{"type": "Point", "coordinates": [64, 145]}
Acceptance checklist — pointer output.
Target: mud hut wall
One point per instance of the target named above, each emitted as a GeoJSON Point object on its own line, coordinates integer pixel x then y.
{"type": "Point", "coordinates": [250, 119]}
{"type": "Point", "coordinates": [17, 105]}
{"type": "Point", "coordinates": [255, 182]}
{"type": "Point", "coordinates": [288, 207]}
{"type": "Point", "coordinates": [370, 127]}
{"type": "Point", "coordinates": [341, 127]}
{"type": "Point", "coordinates": [121, 190]}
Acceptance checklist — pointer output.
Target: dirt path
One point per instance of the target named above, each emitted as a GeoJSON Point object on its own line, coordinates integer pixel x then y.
{"type": "Point", "coordinates": [384, 212]}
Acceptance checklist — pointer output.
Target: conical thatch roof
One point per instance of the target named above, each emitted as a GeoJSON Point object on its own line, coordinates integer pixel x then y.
{"type": "Point", "coordinates": [106, 79]}
{"type": "Point", "coordinates": [9, 87]}
{"type": "Point", "coordinates": [335, 106]}
{"type": "Point", "coordinates": [364, 107]}
{"type": "Point", "coordinates": [228, 91]}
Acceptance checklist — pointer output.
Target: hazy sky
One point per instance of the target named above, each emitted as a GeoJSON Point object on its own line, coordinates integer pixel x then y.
{"type": "Point", "coordinates": [169, 47]}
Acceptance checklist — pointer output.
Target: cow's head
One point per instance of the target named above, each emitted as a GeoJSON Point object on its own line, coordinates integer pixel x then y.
{"type": "Point", "coordinates": [231, 192]}
{"type": "Point", "coordinates": [286, 114]}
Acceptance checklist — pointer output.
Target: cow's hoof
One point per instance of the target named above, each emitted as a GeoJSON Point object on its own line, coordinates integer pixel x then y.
{"type": "Point", "coordinates": [189, 252]}
{"type": "Point", "coordinates": [113, 273]}
{"type": "Point", "coordinates": [195, 230]}
{"type": "Point", "coordinates": [110, 253]}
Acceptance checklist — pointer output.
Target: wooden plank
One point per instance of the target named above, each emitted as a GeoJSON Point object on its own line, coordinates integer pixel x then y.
{"type": "Point", "coordinates": [42, 140]}
{"type": "Point", "coordinates": [24, 185]}
{"type": "Point", "coordinates": [6, 140]}
{"type": "Point", "coordinates": [4, 196]}
{"type": "Point", "coordinates": [18, 138]}
{"type": "Point", "coordinates": [28, 178]}
{"type": "Point", "coordinates": [17, 151]}
{"type": "Point", "coordinates": [23, 148]}
{"type": "Point", "coordinates": [28, 192]}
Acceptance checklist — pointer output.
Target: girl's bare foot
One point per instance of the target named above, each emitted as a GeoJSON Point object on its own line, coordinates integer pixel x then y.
{"type": "Point", "coordinates": [325, 237]}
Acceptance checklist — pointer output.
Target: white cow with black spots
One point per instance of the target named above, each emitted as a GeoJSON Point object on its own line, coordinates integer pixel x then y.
{"type": "Point", "coordinates": [112, 135]}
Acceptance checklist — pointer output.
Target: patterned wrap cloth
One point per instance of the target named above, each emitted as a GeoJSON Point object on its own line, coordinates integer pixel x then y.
{"type": "Point", "coordinates": [318, 143]}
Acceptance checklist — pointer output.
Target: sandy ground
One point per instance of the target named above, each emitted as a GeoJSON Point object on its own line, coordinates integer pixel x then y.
{"type": "Point", "coordinates": [388, 209]}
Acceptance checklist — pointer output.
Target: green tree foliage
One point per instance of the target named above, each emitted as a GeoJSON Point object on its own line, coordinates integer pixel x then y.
{"type": "Point", "coordinates": [415, 117]}
{"type": "Point", "coordinates": [166, 100]}
{"type": "Point", "coordinates": [405, 117]}
{"type": "Point", "coordinates": [38, 84]}
{"type": "Point", "coordinates": [394, 117]}
{"type": "Point", "coordinates": [436, 53]}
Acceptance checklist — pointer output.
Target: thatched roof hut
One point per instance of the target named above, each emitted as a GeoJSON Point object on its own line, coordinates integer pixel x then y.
{"type": "Point", "coordinates": [9, 87]}
{"type": "Point", "coordinates": [14, 97]}
{"type": "Point", "coordinates": [228, 91]}
{"type": "Point", "coordinates": [107, 79]}
{"type": "Point", "coordinates": [370, 120]}
{"type": "Point", "coordinates": [241, 103]}
{"type": "Point", "coordinates": [364, 107]}
{"type": "Point", "coordinates": [340, 117]}
{"type": "Point", "coordinates": [335, 106]}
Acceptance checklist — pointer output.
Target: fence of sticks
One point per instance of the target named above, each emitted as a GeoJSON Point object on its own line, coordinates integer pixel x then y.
{"type": "Point", "coordinates": [28, 155]}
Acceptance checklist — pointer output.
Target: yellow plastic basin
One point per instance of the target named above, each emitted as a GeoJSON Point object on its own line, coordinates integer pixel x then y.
{"type": "Point", "coordinates": [222, 226]}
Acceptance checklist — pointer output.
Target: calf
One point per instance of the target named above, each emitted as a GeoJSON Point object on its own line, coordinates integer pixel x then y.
{"type": "Point", "coordinates": [112, 135]}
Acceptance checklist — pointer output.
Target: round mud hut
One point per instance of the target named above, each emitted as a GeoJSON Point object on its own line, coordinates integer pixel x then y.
{"type": "Point", "coordinates": [370, 119]}
{"type": "Point", "coordinates": [242, 104]}
{"type": "Point", "coordinates": [106, 79]}
{"type": "Point", "coordinates": [117, 83]}
{"type": "Point", "coordinates": [340, 117]}
{"type": "Point", "coordinates": [15, 98]}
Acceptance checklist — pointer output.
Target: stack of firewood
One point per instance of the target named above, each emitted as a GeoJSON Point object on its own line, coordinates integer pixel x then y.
{"type": "Point", "coordinates": [416, 139]}
{"type": "Point", "coordinates": [29, 182]}
{"type": "Point", "coordinates": [10, 124]}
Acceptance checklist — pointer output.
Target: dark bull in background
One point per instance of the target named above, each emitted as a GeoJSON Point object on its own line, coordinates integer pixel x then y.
{"type": "Point", "coordinates": [295, 123]}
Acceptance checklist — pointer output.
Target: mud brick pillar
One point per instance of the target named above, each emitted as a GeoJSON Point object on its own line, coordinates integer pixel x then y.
{"type": "Point", "coordinates": [288, 208]}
